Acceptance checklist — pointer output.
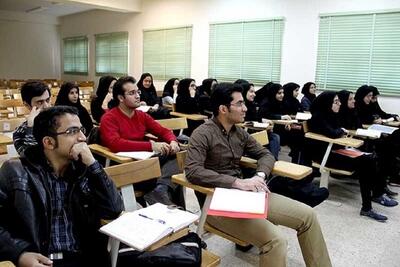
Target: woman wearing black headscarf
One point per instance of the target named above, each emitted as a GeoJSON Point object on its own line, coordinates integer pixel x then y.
{"type": "Point", "coordinates": [347, 115]}
{"type": "Point", "coordinates": [309, 95]}
{"type": "Point", "coordinates": [377, 109]}
{"type": "Point", "coordinates": [188, 102]}
{"type": "Point", "coordinates": [204, 92]}
{"type": "Point", "coordinates": [148, 97]}
{"type": "Point", "coordinates": [290, 101]}
{"type": "Point", "coordinates": [170, 91]}
{"type": "Point", "coordinates": [69, 96]}
{"type": "Point", "coordinates": [273, 108]}
{"type": "Point", "coordinates": [99, 104]}
{"type": "Point", "coordinates": [364, 108]}
{"type": "Point", "coordinates": [325, 121]}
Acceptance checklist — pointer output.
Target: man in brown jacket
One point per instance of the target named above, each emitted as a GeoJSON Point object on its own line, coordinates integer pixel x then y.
{"type": "Point", "coordinates": [214, 152]}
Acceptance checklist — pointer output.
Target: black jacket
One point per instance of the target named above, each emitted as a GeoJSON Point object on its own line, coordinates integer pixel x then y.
{"type": "Point", "coordinates": [25, 207]}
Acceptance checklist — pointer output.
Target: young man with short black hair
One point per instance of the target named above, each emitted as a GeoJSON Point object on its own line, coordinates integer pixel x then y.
{"type": "Point", "coordinates": [53, 198]}
{"type": "Point", "coordinates": [213, 157]}
{"type": "Point", "coordinates": [36, 97]}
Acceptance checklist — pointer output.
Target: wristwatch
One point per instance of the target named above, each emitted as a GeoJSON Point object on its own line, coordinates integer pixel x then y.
{"type": "Point", "coordinates": [261, 174]}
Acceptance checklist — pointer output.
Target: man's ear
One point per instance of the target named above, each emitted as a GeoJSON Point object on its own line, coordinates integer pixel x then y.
{"type": "Point", "coordinates": [120, 98]}
{"type": "Point", "coordinates": [49, 142]}
{"type": "Point", "coordinates": [223, 109]}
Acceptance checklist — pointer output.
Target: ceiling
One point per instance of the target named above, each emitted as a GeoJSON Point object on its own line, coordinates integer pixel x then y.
{"type": "Point", "coordinates": [46, 7]}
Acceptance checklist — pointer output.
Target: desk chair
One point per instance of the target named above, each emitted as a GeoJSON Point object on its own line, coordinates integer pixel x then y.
{"type": "Point", "coordinates": [287, 169]}
{"type": "Point", "coordinates": [6, 264]}
{"type": "Point", "coordinates": [125, 176]}
{"type": "Point", "coordinates": [343, 141]}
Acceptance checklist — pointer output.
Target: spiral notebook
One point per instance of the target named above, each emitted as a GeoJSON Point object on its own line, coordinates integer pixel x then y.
{"type": "Point", "coordinates": [142, 228]}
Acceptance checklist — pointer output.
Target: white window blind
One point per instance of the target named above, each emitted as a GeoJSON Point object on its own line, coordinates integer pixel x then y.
{"type": "Point", "coordinates": [248, 50]}
{"type": "Point", "coordinates": [75, 55]}
{"type": "Point", "coordinates": [167, 52]}
{"type": "Point", "coordinates": [112, 53]}
{"type": "Point", "coordinates": [359, 49]}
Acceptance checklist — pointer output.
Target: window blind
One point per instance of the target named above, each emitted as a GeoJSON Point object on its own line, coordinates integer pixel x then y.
{"type": "Point", "coordinates": [75, 55]}
{"type": "Point", "coordinates": [112, 53]}
{"type": "Point", "coordinates": [248, 50]}
{"type": "Point", "coordinates": [359, 49]}
{"type": "Point", "coordinates": [167, 52]}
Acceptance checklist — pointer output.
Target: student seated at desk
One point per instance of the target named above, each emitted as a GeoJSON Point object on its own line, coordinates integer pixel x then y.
{"type": "Point", "coordinates": [384, 147]}
{"type": "Point", "coordinates": [215, 149]}
{"type": "Point", "coordinates": [123, 129]}
{"type": "Point", "coordinates": [325, 121]}
{"type": "Point", "coordinates": [69, 96]}
{"type": "Point", "coordinates": [53, 198]}
{"type": "Point", "coordinates": [291, 103]}
{"type": "Point", "coordinates": [273, 108]}
{"type": "Point", "coordinates": [170, 91]}
{"type": "Point", "coordinates": [36, 97]}
{"type": "Point", "coordinates": [204, 92]}
{"type": "Point", "coordinates": [309, 95]}
{"type": "Point", "coordinates": [148, 97]}
{"type": "Point", "coordinates": [249, 94]}
{"type": "Point", "coordinates": [188, 102]}
{"type": "Point", "coordinates": [100, 103]}
{"type": "Point", "coordinates": [377, 109]}
{"type": "Point", "coordinates": [261, 93]}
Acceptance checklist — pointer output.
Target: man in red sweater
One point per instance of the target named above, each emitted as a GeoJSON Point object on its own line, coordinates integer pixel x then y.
{"type": "Point", "coordinates": [123, 128]}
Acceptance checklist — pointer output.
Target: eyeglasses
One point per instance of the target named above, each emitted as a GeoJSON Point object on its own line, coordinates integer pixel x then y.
{"type": "Point", "coordinates": [134, 92]}
{"type": "Point", "coordinates": [238, 104]}
{"type": "Point", "coordinates": [72, 131]}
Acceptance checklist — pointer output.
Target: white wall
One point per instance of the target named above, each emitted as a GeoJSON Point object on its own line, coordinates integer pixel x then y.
{"type": "Point", "coordinates": [300, 33]}
{"type": "Point", "coordinates": [29, 47]}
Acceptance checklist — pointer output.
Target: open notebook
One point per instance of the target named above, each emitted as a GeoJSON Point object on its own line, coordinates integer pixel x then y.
{"type": "Point", "coordinates": [138, 155]}
{"type": "Point", "coordinates": [142, 228]}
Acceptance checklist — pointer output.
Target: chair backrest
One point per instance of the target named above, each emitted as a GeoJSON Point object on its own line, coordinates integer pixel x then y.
{"type": "Point", "coordinates": [261, 137]}
{"type": "Point", "coordinates": [174, 124]}
{"type": "Point", "coordinates": [9, 125]}
{"type": "Point", "coordinates": [127, 174]}
{"type": "Point", "coordinates": [180, 159]}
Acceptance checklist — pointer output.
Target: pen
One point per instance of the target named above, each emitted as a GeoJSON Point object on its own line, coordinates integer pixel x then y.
{"type": "Point", "coordinates": [147, 217]}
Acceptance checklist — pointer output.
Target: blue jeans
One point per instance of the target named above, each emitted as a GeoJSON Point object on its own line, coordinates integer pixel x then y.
{"type": "Point", "coordinates": [274, 144]}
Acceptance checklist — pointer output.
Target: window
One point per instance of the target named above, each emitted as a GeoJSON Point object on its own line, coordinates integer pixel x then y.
{"type": "Point", "coordinates": [248, 50]}
{"type": "Point", "coordinates": [76, 55]}
{"type": "Point", "coordinates": [359, 49]}
{"type": "Point", "coordinates": [167, 52]}
{"type": "Point", "coordinates": [112, 53]}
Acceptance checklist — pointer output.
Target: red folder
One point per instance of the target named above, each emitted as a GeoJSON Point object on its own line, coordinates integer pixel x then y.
{"type": "Point", "coordinates": [245, 215]}
{"type": "Point", "coordinates": [352, 153]}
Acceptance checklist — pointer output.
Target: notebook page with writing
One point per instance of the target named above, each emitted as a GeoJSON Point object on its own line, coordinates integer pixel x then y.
{"type": "Point", "coordinates": [136, 231]}
{"type": "Point", "coordinates": [235, 200]}
{"type": "Point", "coordinates": [382, 128]}
{"type": "Point", "coordinates": [174, 218]}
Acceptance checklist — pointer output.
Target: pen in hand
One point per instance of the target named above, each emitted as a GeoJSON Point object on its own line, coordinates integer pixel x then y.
{"type": "Point", "coordinates": [147, 217]}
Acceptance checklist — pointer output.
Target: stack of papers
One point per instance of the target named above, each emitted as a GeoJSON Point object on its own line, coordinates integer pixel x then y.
{"type": "Point", "coordinates": [368, 133]}
{"type": "Point", "coordinates": [382, 128]}
{"type": "Point", "coordinates": [142, 228]}
{"type": "Point", "coordinates": [303, 116]}
{"type": "Point", "coordinates": [138, 155]}
{"type": "Point", "coordinates": [236, 203]}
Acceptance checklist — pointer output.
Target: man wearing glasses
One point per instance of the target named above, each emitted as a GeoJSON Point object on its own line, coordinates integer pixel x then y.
{"type": "Point", "coordinates": [214, 152]}
{"type": "Point", "coordinates": [53, 198]}
{"type": "Point", "coordinates": [123, 129]}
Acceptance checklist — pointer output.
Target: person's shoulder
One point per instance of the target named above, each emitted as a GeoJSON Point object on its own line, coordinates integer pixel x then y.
{"type": "Point", "coordinates": [209, 128]}
{"type": "Point", "coordinates": [13, 169]}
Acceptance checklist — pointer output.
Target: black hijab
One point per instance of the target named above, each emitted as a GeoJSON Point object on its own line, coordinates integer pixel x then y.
{"type": "Point", "coordinates": [291, 104]}
{"type": "Point", "coordinates": [251, 113]}
{"type": "Point", "coordinates": [205, 88]}
{"type": "Point", "coordinates": [348, 118]}
{"type": "Point", "coordinates": [148, 95]}
{"type": "Point", "coordinates": [306, 91]}
{"type": "Point", "coordinates": [365, 112]}
{"type": "Point", "coordinates": [169, 87]}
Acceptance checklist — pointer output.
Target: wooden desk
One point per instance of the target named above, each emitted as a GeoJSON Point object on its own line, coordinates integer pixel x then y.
{"type": "Point", "coordinates": [5, 140]}
{"type": "Point", "coordinates": [105, 152]}
{"type": "Point", "coordinates": [284, 122]}
{"type": "Point", "coordinates": [247, 126]}
{"type": "Point", "coordinates": [193, 117]}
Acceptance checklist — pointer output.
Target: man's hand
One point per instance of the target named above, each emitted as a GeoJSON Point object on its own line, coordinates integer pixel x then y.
{"type": "Point", "coordinates": [82, 150]}
{"type": "Point", "coordinates": [160, 147]}
{"type": "Point", "coordinates": [174, 147]}
{"type": "Point", "coordinates": [30, 259]}
{"type": "Point", "coordinates": [32, 115]}
{"type": "Point", "coordinates": [255, 184]}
